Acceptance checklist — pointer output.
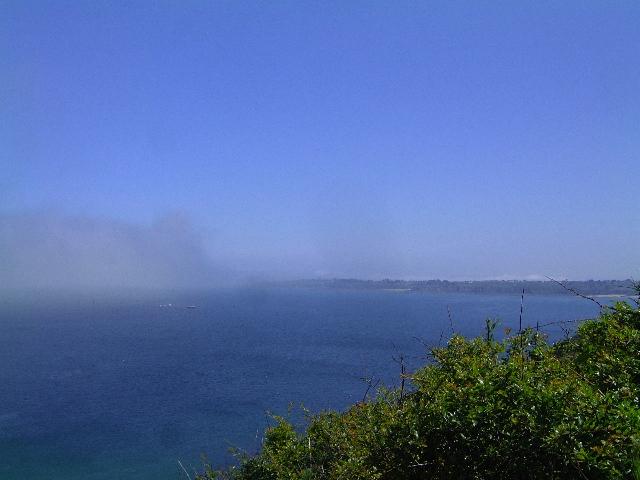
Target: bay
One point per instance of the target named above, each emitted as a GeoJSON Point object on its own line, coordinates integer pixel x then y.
{"type": "Point", "coordinates": [122, 385]}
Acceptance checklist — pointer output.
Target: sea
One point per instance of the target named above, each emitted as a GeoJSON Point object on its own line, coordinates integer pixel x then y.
{"type": "Point", "coordinates": [149, 385]}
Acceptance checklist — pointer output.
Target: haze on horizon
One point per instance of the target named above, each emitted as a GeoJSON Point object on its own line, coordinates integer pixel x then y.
{"type": "Point", "coordinates": [160, 144]}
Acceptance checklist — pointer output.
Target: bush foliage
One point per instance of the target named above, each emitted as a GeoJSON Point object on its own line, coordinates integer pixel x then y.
{"type": "Point", "coordinates": [519, 408]}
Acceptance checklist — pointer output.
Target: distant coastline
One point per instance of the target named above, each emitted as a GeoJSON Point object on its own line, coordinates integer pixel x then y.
{"type": "Point", "coordinates": [609, 288]}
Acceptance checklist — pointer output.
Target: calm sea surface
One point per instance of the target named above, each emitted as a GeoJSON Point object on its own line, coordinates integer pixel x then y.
{"type": "Point", "coordinates": [124, 386]}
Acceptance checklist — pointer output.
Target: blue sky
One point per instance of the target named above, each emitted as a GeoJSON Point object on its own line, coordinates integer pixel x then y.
{"type": "Point", "coordinates": [300, 139]}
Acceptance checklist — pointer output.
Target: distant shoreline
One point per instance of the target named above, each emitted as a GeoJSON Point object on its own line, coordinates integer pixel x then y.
{"type": "Point", "coordinates": [595, 288]}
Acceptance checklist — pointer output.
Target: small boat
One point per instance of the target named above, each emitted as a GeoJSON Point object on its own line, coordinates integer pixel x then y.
{"type": "Point", "coordinates": [192, 307]}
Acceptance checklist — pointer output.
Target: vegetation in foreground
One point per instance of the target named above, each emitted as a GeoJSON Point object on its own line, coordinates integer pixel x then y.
{"type": "Point", "coordinates": [518, 408]}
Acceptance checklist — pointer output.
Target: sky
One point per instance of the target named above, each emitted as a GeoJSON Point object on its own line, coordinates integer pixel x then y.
{"type": "Point", "coordinates": [165, 143]}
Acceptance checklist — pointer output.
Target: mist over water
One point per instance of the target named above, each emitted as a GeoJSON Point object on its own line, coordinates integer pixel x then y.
{"type": "Point", "coordinates": [49, 250]}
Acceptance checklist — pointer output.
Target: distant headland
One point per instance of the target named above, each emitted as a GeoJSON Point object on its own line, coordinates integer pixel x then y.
{"type": "Point", "coordinates": [543, 287]}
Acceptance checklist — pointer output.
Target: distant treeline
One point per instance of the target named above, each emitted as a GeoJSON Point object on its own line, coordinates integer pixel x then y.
{"type": "Point", "coordinates": [587, 287]}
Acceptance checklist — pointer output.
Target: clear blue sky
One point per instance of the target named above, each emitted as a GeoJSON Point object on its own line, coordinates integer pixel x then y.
{"type": "Point", "coordinates": [301, 139]}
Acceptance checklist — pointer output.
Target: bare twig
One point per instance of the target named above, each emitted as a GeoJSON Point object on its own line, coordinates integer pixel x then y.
{"type": "Point", "coordinates": [521, 310]}
{"type": "Point", "coordinates": [184, 470]}
{"type": "Point", "coordinates": [521, 335]}
{"type": "Point", "coordinates": [572, 290]}
{"type": "Point", "coordinates": [566, 331]}
{"type": "Point", "coordinates": [403, 374]}
{"type": "Point", "coordinates": [422, 341]}
{"type": "Point", "coordinates": [370, 385]}
{"type": "Point", "coordinates": [450, 319]}
{"type": "Point", "coordinates": [561, 322]}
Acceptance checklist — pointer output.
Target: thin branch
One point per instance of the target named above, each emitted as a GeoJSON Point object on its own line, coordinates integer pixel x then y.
{"type": "Point", "coordinates": [521, 335]}
{"type": "Point", "coordinates": [370, 385]}
{"type": "Point", "coordinates": [184, 470]}
{"type": "Point", "coordinates": [403, 374]}
{"type": "Point", "coordinates": [422, 341]}
{"type": "Point", "coordinates": [450, 320]}
{"type": "Point", "coordinates": [586, 297]}
{"type": "Point", "coordinates": [521, 309]}
{"type": "Point", "coordinates": [561, 322]}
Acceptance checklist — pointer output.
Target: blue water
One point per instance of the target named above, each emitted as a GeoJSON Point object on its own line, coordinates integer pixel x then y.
{"type": "Point", "coordinates": [118, 387]}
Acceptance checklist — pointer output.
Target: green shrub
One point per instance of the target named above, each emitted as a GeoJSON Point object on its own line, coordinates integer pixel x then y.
{"type": "Point", "coordinates": [482, 409]}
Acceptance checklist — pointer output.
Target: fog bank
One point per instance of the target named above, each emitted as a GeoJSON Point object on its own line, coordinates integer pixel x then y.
{"type": "Point", "coordinates": [50, 250]}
